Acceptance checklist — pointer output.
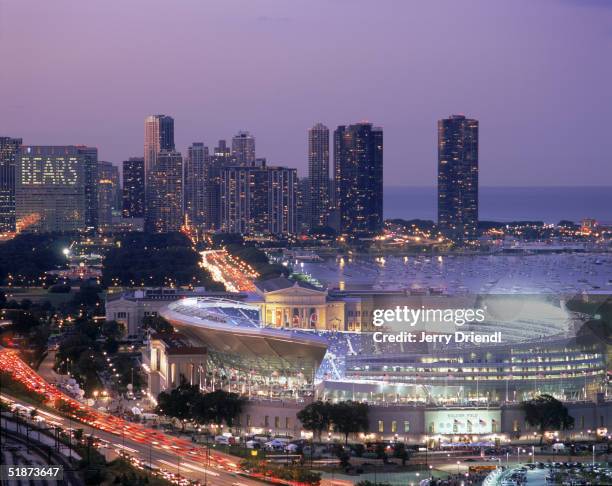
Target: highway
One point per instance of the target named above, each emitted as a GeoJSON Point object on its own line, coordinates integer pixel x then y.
{"type": "Point", "coordinates": [236, 275]}
{"type": "Point", "coordinates": [148, 445]}
{"type": "Point", "coordinates": [191, 466]}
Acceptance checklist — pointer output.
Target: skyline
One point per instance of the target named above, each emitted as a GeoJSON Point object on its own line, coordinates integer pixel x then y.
{"type": "Point", "coordinates": [511, 82]}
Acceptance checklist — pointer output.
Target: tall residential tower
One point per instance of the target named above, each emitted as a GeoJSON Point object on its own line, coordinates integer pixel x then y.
{"type": "Point", "coordinates": [9, 149]}
{"type": "Point", "coordinates": [358, 178]}
{"type": "Point", "coordinates": [164, 207]}
{"type": "Point", "coordinates": [158, 136]}
{"type": "Point", "coordinates": [318, 174]}
{"type": "Point", "coordinates": [458, 177]}
{"type": "Point", "coordinates": [243, 149]}
{"type": "Point", "coordinates": [196, 177]}
{"type": "Point", "coordinates": [133, 188]}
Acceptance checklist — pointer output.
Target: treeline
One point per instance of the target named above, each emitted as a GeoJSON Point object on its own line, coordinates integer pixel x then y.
{"type": "Point", "coordinates": [420, 224]}
{"type": "Point", "coordinates": [186, 402]}
{"type": "Point", "coordinates": [90, 350]}
{"type": "Point", "coordinates": [27, 256]}
{"type": "Point", "coordinates": [344, 417]}
{"type": "Point", "coordinates": [155, 260]}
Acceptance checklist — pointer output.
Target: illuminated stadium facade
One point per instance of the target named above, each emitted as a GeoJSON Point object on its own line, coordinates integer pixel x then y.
{"type": "Point", "coordinates": [243, 354]}
{"type": "Point", "coordinates": [538, 355]}
{"type": "Point", "coordinates": [564, 368]}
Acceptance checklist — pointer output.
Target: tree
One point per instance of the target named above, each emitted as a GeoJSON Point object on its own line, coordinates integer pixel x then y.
{"type": "Point", "coordinates": [87, 297]}
{"type": "Point", "coordinates": [155, 259]}
{"type": "Point", "coordinates": [157, 323]}
{"type": "Point", "coordinates": [112, 330]}
{"type": "Point", "coordinates": [218, 407]}
{"type": "Point", "coordinates": [547, 413]}
{"type": "Point", "coordinates": [316, 417]}
{"type": "Point", "coordinates": [178, 403]}
{"type": "Point", "coordinates": [24, 322]}
{"type": "Point", "coordinates": [349, 417]}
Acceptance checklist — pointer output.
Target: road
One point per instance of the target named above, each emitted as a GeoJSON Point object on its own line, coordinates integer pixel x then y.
{"type": "Point", "coordinates": [190, 466]}
{"type": "Point", "coordinates": [236, 275]}
{"type": "Point", "coordinates": [171, 453]}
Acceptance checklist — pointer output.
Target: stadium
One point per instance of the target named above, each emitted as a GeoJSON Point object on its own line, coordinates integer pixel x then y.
{"type": "Point", "coordinates": [539, 354]}
{"type": "Point", "coordinates": [280, 362]}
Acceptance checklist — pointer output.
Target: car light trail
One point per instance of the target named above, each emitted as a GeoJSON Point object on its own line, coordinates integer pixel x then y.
{"type": "Point", "coordinates": [11, 363]}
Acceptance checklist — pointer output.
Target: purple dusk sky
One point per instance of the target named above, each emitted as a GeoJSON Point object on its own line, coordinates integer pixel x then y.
{"type": "Point", "coordinates": [536, 73]}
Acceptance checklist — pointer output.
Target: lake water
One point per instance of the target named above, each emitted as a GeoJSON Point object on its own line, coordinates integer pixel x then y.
{"type": "Point", "coordinates": [548, 204]}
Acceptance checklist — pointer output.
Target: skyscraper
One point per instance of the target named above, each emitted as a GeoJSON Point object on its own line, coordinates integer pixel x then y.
{"type": "Point", "coordinates": [302, 204]}
{"type": "Point", "coordinates": [358, 178]}
{"type": "Point", "coordinates": [9, 149]}
{"type": "Point", "coordinates": [458, 177]}
{"type": "Point", "coordinates": [108, 190]}
{"type": "Point", "coordinates": [164, 206]}
{"type": "Point", "coordinates": [243, 149]}
{"type": "Point", "coordinates": [90, 160]}
{"type": "Point", "coordinates": [196, 177]}
{"type": "Point", "coordinates": [258, 200]}
{"type": "Point", "coordinates": [282, 200]}
{"type": "Point", "coordinates": [133, 187]}
{"type": "Point", "coordinates": [51, 193]}
{"type": "Point", "coordinates": [158, 136]}
{"type": "Point", "coordinates": [318, 174]}
{"type": "Point", "coordinates": [221, 158]}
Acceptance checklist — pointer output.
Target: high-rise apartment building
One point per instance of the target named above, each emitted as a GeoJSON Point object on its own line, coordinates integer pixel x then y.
{"type": "Point", "coordinates": [282, 200]}
{"type": "Point", "coordinates": [133, 188]}
{"type": "Point", "coordinates": [158, 136]}
{"type": "Point", "coordinates": [258, 200]}
{"type": "Point", "coordinates": [51, 192]}
{"type": "Point", "coordinates": [196, 178]}
{"type": "Point", "coordinates": [458, 177]}
{"type": "Point", "coordinates": [243, 149]}
{"type": "Point", "coordinates": [164, 206]}
{"type": "Point", "coordinates": [221, 158]}
{"type": "Point", "coordinates": [9, 150]}
{"type": "Point", "coordinates": [108, 193]}
{"type": "Point", "coordinates": [318, 174]}
{"type": "Point", "coordinates": [158, 139]}
{"type": "Point", "coordinates": [358, 178]}
{"type": "Point", "coordinates": [90, 160]}
{"type": "Point", "coordinates": [302, 205]}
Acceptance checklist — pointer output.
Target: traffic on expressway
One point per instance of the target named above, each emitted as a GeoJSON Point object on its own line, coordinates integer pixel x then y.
{"type": "Point", "coordinates": [147, 445]}
{"type": "Point", "coordinates": [236, 275]}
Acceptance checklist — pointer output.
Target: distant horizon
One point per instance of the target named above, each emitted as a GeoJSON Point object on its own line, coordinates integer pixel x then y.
{"type": "Point", "coordinates": [550, 204]}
